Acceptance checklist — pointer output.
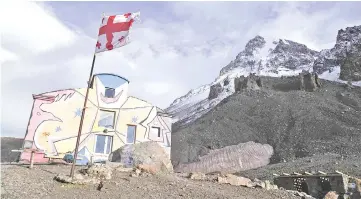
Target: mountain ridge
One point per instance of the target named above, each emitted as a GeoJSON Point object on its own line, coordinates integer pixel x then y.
{"type": "Point", "coordinates": [275, 59]}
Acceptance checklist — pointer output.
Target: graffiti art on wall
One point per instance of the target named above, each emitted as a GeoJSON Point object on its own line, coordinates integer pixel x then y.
{"type": "Point", "coordinates": [55, 120]}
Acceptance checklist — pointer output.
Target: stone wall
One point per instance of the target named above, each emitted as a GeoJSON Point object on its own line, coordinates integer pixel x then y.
{"type": "Point", "coordinates": [251, 82]}
{"type": "Point", "coordinates": [305, 81]}
{"type": "Point", "coordinates": [308, 81]}
{"type": "Point", "coordinates": [317, 185]}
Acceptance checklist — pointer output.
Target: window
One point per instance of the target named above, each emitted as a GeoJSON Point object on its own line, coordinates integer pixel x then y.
{"type": "Point", "coordinates": [109, 92]}
{"type": "Point", "coordinates": [155, 131]}
{"type": "Point", "coordinates": [131, 132]}
{"type": "Point", "coordinates": [106, 119]}
{"type": "Point", "coordinates": [103, 144]}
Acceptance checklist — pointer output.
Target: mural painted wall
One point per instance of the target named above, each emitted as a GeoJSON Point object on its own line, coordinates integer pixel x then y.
{"type": "Point", "coordinates": [55, 119]}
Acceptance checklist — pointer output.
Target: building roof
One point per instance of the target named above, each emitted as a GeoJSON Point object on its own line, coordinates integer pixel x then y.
{"type": "Point", "coordinates": [162, 112]}
{"type": "Point", "coordinates": [109, 81]}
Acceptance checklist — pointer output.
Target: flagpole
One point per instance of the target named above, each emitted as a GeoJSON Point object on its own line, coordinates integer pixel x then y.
{"type": "Point", "coordinates": [82, 119]}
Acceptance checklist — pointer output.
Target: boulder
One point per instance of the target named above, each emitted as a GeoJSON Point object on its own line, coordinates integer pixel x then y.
{"type": "Point", "coordinates": [300, 194]}
{"type": "Point", "coordinates": [259, 184]}
{"type": "Point", "coordinates": [147, 156]}
{"type": "Point", "coordinates": [269, 186]}
{"type": "Point", "coordinates": [98, 171]}
{"type": "Point", "coordinates": [63, 178]}
{"type": "Point", "coordinates": [152, 169]}
{"type": "Point", "coordinates": [235, 180]}
{"type": "Point", "coordinates": [198, 176]}
{"type": "Point", "coordinates": [331, 195]}
{"type": "Point", "coordinates": [230, 159]}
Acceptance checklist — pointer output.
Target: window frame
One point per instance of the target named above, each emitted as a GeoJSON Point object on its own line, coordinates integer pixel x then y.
{"type": "Point", "coordinates": [159, 131]}
{"type": "Point", "coordinates": [109, 111]}
{"type": "Point", "coordinates": [107, 137]}
{"type": "Point", "coordinates": [135, 134]}
{"type": "Point", "coordinates": [109, 88]}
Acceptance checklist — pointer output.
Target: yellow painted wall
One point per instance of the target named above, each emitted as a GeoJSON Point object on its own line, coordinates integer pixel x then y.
{"type": "Point", "coordinates": [70, 124]}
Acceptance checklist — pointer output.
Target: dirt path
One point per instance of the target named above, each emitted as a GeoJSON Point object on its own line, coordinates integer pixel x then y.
{"type": "Point", "coordinates": [21, 182]}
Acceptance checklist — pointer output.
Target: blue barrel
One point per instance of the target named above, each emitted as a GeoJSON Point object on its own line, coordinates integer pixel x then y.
{"type": "Point", "coordinates": [69, 158]}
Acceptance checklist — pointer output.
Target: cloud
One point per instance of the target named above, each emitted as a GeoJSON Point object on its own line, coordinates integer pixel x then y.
{"type": "Point", "coordinates": [315, 28]}
{"type": "Point", "coordinates": [168, 56]}
{"type": "Point", "coordinates": [33, 28]}
{"type": "Point", "coordinates": [157, 88]}
{"type": "Point", "coordinates": [7, 56]}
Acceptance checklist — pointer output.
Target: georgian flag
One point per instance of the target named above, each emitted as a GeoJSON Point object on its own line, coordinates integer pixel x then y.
{"type": "Point", "coordinates": [114, 31]}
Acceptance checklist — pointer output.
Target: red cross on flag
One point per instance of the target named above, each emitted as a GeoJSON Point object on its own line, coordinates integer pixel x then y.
{"type": "Point", "coordinates": [114, 31]}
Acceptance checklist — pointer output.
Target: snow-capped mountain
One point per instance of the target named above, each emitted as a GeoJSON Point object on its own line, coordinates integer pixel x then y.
{"type": "Point", "coordinates": [279, 56]}
{"type": "Point", "coordinates": [276, 59]}
{"type": "Point", "coordinates": [343, 61]}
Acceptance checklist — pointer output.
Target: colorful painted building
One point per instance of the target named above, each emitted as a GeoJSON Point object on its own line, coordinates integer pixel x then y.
{"type": "Point", "coordinates": [112, 119]}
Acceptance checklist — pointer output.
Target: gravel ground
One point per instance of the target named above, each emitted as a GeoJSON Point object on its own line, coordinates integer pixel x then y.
{"type": "Point", "coordinates": [21, 182]}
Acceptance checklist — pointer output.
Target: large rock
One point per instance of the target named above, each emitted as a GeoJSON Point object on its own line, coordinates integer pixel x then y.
{"type": "Point", "coordinates": [331, 195]}
{"type": "Point", "coordinates": [147, 154]}
{"type": "Point", "coordinates": [231, 159]}
{"type": "Point", "coordinates": [198, 176]}
{"type": "Point", "coordinates": [235, 180]}
{"type": "Point", "coordinates": [98, 171]}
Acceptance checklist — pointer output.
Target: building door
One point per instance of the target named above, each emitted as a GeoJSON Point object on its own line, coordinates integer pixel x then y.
{"type": "Point", "coordinates": [103, 144]}
{"type": "Point", "coordinates": [131, 132]}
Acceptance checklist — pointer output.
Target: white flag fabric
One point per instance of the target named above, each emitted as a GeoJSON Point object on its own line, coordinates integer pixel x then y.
{"type": "Point", "coordinates": [114, 31]}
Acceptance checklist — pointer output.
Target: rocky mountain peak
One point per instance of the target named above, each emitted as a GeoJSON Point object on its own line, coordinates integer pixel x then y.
{"type": "Point", "coordinates": [288, 46]}
{"type": "Point", "coordinates": [256, 43]}
{"type": "Point", "coordinates": [291, 55]}
{"type": "Point", "coordinates": [260, 55]}
{"type": "Point", "coordinates": [345, 55]}
{"type": "Point", "coordinates": [350, 34]}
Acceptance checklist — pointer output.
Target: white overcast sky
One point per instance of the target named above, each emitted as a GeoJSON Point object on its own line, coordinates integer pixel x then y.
{"type": "Point", "coordinates": [177, 46]}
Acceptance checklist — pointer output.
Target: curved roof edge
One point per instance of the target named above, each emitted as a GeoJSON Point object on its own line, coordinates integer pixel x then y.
{"type": "Point", "coordinates": [112, 75]}
{"type": "Point", "coordinates": [94, 75]}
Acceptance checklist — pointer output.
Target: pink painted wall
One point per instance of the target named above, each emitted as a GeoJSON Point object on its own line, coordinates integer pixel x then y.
{"type": "Point", "coordinates": [39, 116]}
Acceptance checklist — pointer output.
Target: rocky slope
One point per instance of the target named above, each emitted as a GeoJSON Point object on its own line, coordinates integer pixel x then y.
{"type": "Point", "coordinates": [295, 123]}
{"type": "Point", "coordinates": [8, 144]}
{"type": "Point", "coordinates": [275, 59]}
